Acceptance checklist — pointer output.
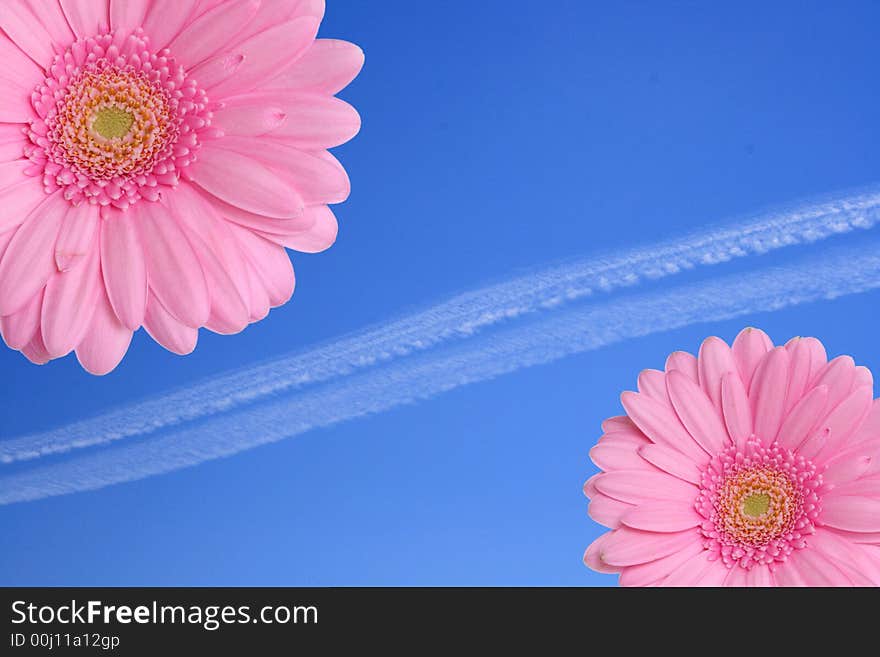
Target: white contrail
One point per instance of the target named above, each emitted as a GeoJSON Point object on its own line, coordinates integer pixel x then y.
{"type": "Point", "coordinates": [460, 317]}
{"type": "Point", "coordinates": [421, 376]}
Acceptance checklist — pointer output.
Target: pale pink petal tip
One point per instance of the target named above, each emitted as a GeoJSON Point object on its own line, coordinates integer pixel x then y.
{"type": "Point", "coordinates": [157, 157]}
{"type": "Point", "coordinates": [749, 465]}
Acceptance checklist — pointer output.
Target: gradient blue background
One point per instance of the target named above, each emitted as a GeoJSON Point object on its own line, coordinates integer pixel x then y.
{"type": "Point", "coordinates": [497, 135]}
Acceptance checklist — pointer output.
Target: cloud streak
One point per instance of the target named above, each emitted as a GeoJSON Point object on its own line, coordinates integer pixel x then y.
{"type": "Point", "coordinates": [460, 317]}
{"type": "Point", "coordinates": [424, 375]}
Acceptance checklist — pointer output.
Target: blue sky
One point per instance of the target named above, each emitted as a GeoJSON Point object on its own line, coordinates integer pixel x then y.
{"type": "Point", "coordinates": [497, 136]}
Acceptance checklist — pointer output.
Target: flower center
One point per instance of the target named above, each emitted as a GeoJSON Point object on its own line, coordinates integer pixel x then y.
{"type": "Point", "coordinates": [116, 122]}
{"type": "Point", "coordinates": [112, 122]}
{"type": "Point", "coordinates": [756, 505]}
{"type": "Point", "coordinates": [759, 504]}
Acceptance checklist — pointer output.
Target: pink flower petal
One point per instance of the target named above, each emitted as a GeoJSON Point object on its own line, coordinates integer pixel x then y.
{"type": "Point", "coordinates": [246, 65]}
{"type": "Point", "coordinates": [799, 424]}
{"type": "Point", "coordinates": [254, 187]}
{"type": "Point", "coordinates": [863, 377]}
{"type": "Point", "coordinates": [624, 438]}
{"type": "Point", "coordinates": [749, 348]}
{"type": "Point", "coordinates": [851, 557]}
{"type": "Point", "coordinates": [610, 456]}
{"type": "Point", "coordinates": [788, 575]}
{"type": "Point", "coordinates": [29, 259]}
{"type": "Point", "coordinates": [52, 18]}
{"type": "Point", "coordinates": [212, 31]}
{"type": "Point", "coordinates": [661, 425]}
{"type": "Point", "coordinates": [866, 539]}
{"type": "Point", "coordinates": [35, 351]}
{"type": "Point", "coordinates": [838, 375]}
{"type": "Point", "coordinates": [204, 220]}
{"type": "Point", "coordinates": [620, 423]}
{"type": "Point", "coordinates": [260, 223]}
{"type": "Point", "coordinates": [715, 360]}
{"type": "Point", "coordinates": [736, 577]}
{"type": "Point", "coordinates": [69, 304]}
{"type": "Point", "coordinates": [685, 363]}
{"type": "Point", "coordinates": [28, 33]}
{"type": "Point", "coordinates": [274, 12]}
{"type": "Point", "coordinates": [632, 440]}
{"type": "Point", "coordinates": [258, 298]}
{"type": "Point", "coordinates": [767, 394]}
{"type": "Point", "coordinates": [251, 115]}
{"type": "Point", "coordinates": [327, 67]}
{"type": "Point", "coordinates": [697, 571]}
{"type": "Point", "coordinates": [863, 484]}
{"type": "Point", "coordinates": [736, 408]}
{"type": "Point", "coordinates": [13, 173]}
{"type": "Point", "coordinates": [593, 556]}
{"type": "Point", "coordinates": [854, 514]}
{"type": "Point", "coordinates": [166, 18]}
{"type": "Point", "coordinates": [817, 569]}
{"type": "Point", "coordinates": [124, 267]}
{"type": "Point", "coordinates": [654, 572]}
{"type": "Point", "coordinates": [845, 420]}
{"type": "Point", "coordinates": [12, 141]}
{"type": "Point", "coordinates": [622, 428]}
{"type": "Point", "coordinates": [812, 445]}
{"type": "Point", "coordinates": [105, 341]}
{"type": "Point", "coordinates": [697, 412]}
{"type": "Point", "coordinates": [18, 77]}
{"type": "Point", "coordinates": [86, 18]}
{"type": "Point", "coordinates": [870, 427]}
{"type": "Point", "coordinates": [342, 185]}
{"type": "Point", "coordinates": [317, 178]}
{"type": "Point", "coordinates": [818, 355]}
{"type": "Point", "coordinates": [306, 121]}
{"type": "Point", "coordinates": [607, 511]}
{"type": "Point", "coordinates": [760, 576]}
{"type": "Point", "coordinates": [652, 383]}
{"type": "Point", "coordinates": [319, 237]}
{"type": "Point", "coordinates": [76, 238]}
{"type": "Point", "coordinates": [671, 461]}
{"type": "Point", "coordinates": [13, 106]}
{"type": "Point", "coordinates": [19, 328]}
{"type": "Point", "coordinates": [205, 6]}
{"type": "Point", "coordinates": [848, 465]}
{"type": "Point", "coordinates": [229, 310]}
{"type": "Point", "coordinates": [801, 371]}
{"type": "Point", "coordinates": [19, 195]}
{"type": "Point", "coordinates": [271, 264]}
{"type": "Point", "coordinates": [662, 517]}
{"type": "Point", "coordinates": [639, 486]}
{"type": "Point", "coordinates": [590, 490]}
{"type": "Point", "coordinates": [167, 331]}
{"type": "Point", "coordinates": [5, 239]}
{"type": "Point", "coordinates": [629, 547]}
{"type": "Point", "coordinates": [174, 272]}
{"type": "Point", "coordinates": [127, 14]}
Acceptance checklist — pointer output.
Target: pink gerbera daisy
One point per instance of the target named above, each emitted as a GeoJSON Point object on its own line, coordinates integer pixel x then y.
{"type": "Point", "coordinates": [156, 158]}
{"type": "Point", "coordinates": [750, 466]}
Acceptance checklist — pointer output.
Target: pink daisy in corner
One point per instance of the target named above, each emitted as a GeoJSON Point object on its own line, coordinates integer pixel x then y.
{"type": "Point", "coordinates": [156, 158]}
{"type": "Point", "coordinates": [747, 466]}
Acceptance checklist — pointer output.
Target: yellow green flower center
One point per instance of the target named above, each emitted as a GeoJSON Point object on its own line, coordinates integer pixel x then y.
{"type": "Point", "coordinates": [756, 505]}
{"type": "Point", "coordinates": [112, 122]}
